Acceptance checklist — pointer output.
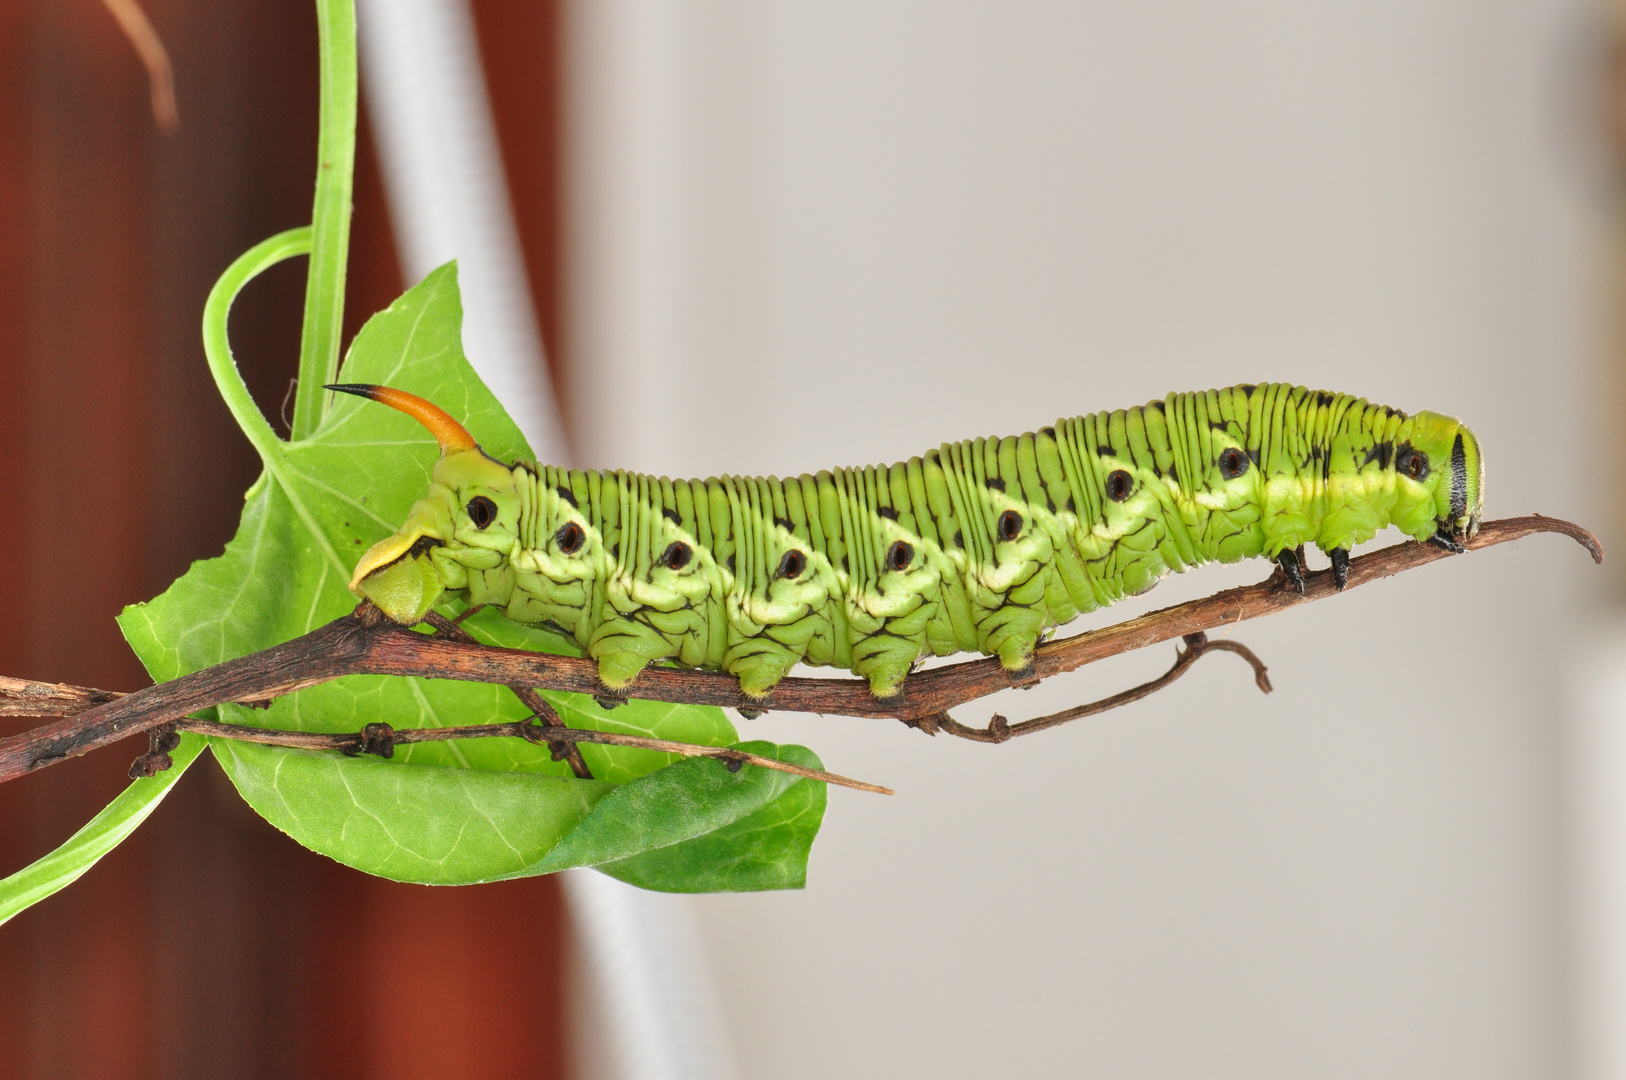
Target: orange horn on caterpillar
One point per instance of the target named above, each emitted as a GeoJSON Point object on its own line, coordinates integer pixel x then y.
{"type": "Point", "coordinates": [447, 432]}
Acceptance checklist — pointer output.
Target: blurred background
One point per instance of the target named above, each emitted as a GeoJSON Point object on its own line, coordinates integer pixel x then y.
{"type": "Point", "coordinates": [774, 237]}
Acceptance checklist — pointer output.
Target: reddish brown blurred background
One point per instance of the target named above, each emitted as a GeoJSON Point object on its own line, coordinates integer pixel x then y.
{"type": "Point", "coordinates": [210, 944]}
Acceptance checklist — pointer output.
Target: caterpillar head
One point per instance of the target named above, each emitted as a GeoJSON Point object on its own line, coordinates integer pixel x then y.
{"type": "Point", "coordinates": [468, 519]}
{"type": "Point", "coordinates": [1440, 466]}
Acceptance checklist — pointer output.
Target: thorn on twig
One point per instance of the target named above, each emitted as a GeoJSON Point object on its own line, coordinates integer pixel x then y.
{"type": "Point", "coordinates": [160, 742]}
{"type": "Point", "coordinates": [999, 728]}
{"type": "Point", "coordinates": [373, 739]}
{"type": "Point", "coordinates": [930, 723]}
{"type": "Point", "coordinates": [537, 733]}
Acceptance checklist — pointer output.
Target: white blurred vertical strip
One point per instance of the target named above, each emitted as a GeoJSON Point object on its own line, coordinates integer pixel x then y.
{"type": "Point", "coordinates": [621, 192]}
{"type": "Point", "coordinates": [443, 174]}
{"type": "Point", "coordinates": [645, 975]}
{"type": "Point", "coordinates": [654, 1004]}
{"type": "Point", "coordinates": [1597, 798]}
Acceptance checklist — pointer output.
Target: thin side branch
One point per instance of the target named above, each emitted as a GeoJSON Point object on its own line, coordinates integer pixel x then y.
{"type": "Point", "coordinates": [382, 739]}
{"type": "Point", "coordinates": [366, 643]}
{"type": "Point", "coordinates": [1001, 730]}
{"type": "Point", "coordinates": [20, 697]}
{"type": "Point", "coordinates": [562, 751]}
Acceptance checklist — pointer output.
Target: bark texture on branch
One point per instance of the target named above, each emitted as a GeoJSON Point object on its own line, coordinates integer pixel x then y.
{"type": "Point", "coordinates": [366, 643]}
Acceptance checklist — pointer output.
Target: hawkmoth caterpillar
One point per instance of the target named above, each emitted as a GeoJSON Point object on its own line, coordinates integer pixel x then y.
{"type": "Point", "coordinates": [981, 545]}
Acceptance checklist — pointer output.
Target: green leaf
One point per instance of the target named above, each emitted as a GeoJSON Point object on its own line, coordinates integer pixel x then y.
{"type": "Point", "coordinates": [765, 850]}
{"type": "Point", "coordinates": [681, 802]}
{"type": "Point", "coordinates": [452, 812]}
{"type": "Point", "coordinates": [101, 834]}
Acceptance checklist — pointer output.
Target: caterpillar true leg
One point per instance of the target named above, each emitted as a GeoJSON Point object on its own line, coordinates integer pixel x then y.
{"type": "Point", "coordinates": [1340, 567]}
{"type": "Point", "coordinates": [982, 544]}
{"type": "Point", "coordinates": [1288, 560]}
{"type": "Point", "coordinates": [1447, 543]}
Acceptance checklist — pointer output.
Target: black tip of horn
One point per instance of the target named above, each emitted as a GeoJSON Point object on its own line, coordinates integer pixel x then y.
{"type": "Point", "coordinates": [360, 389]}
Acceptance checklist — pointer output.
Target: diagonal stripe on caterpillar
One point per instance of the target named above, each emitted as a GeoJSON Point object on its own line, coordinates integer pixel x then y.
{"type": "Point", "coordinates": [980, 545]}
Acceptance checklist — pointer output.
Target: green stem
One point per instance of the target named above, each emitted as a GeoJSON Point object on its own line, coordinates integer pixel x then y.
{"type": "Point", "coordinates": [217, 345]}
{"type": "Point", "coordinates": [330, 217]}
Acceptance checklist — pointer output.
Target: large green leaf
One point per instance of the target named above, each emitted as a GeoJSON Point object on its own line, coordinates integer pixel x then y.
{"type": "Point", "coordinates": [452, 812]}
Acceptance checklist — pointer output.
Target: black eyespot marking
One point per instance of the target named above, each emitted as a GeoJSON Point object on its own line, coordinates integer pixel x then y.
{"type": "Point", "coordinates": [1119, 485]}
{"type": "Point", "coordinates": [900, 555]}
{"type": "Point", "coordinates": [1233, 463]}
{"type": "Point", "coordinates": [570, 538]}
{"type": "Point", "coordinates": [792, 565]}
{"type": "Point", "coordinates": [482, 511]}
{"type": "Point", "coordinates": [1411, 463]}
{"type": "Point", "coordinates": [1010, 525]}
{"type": "Point", "coordinates": [677, 555]}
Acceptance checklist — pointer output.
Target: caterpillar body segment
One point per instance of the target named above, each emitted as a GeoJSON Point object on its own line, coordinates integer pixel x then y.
{"type": "Point", "coordinates": [981, 545]}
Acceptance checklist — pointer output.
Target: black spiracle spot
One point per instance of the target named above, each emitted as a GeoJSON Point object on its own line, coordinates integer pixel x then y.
{"type": "Point", "coordinates": [1411, 463]}
{"type": "Point", "coordinates": [570, 538]}
{"type": "Point", "coordinates": [792, 565]}
{"type": "Point", "coordinates": [1119, 485]}
{"type": "Point", "coordinates": [1009, 525]}
{"type": "Point", "coordinates": [1232, 463]}
{"type": "Point", "coordinates": [900, 555]}
{"type": "Point", "coordinates": [482, 511]}
{"type": "Point", "coordinates": [677, 555]}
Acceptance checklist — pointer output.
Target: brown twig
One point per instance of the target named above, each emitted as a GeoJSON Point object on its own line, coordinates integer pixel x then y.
{"type": "Point", "coordinates": [366, 643]}
{"type": "Point", "coordinates": [382, 739]}
{"type": "Point", "coordinates": [1001, 730]}
{"type": "Point", "coordinates": [20, 697]}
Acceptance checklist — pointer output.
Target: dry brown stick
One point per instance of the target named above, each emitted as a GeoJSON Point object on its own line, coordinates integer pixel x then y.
{"type": "Point", "coordinates": [365, 643]}
{"type": "Point", "coordinates": [1001, 730]}
{"type": "Point", "coordinates": [381, 739]}
{"type": "Point", "coordinates": [21, 697]}
{"type": "Point", "coordinates": [562, 751]}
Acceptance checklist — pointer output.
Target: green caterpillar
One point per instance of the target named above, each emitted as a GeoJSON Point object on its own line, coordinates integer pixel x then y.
{"type": "Point", "coordinates": [980, 545]}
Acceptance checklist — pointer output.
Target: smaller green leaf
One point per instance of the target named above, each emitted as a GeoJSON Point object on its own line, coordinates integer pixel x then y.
{"type": "Point", "coordinates": [100, 835]}
{"type": "Point", "coordinates": [680, 802]}
{"type": "Point", "coordinates": [765, 850]}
